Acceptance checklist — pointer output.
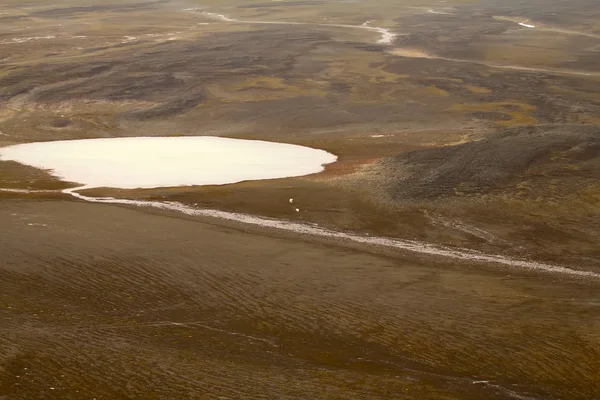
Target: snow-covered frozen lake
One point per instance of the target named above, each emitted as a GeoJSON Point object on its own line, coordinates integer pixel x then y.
{"type": "Point", "coordinates": [148, 162]}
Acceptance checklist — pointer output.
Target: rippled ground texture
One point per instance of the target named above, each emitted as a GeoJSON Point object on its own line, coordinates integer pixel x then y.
{"type": "Point", "coordinates": [137, 305]}
{"type": "Point", "coordinates": [503, 117]}
{"type": "Point", "coordinates": [467, 130]}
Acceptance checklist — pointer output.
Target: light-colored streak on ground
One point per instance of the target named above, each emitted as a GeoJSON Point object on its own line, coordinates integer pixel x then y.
{"type": "Point", "coordinates": [26, 191]}
{"type": "Point", "coordinates": [567, 31]}
{"type": "Point", "coordinates": [415, 53]}
{"type": "Point", "coordinates": [405, 245]}
{"type": "Point", "coordinates": [547, 28]}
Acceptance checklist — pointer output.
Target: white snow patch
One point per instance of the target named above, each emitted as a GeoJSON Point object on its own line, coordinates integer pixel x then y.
{"type": "Point", "coordinates": [432, 11]}
{"type": "Point", "coordinates": [387, 37]}
{"type": "Point", "coordinates": [219, 17]}
{"type": "Point", "coordinates": [128, 39]}
{"type": "Point", "coordinates": [27, 39]}
{"type": "Point", "coordinates": [147, 162]}
{"type": "Point", "coordinates": [291, 201]}
{"type": "Point", "coordinates": [526, 25]}
{"type": "Point", "coordinates": [378, 136]}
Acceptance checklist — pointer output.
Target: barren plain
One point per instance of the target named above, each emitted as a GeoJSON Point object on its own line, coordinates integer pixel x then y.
{"type": "Point", "coordinates": [466, 126]}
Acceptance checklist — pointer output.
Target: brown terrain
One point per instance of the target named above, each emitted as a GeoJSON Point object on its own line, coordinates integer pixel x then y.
{"type": "Point", "coordinates": [465, 131]}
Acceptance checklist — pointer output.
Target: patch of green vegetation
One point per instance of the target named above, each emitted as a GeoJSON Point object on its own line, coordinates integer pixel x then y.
{"type": "Point", "coordinates": [477, 89]}
{"type": "Point", "coordinates": [520, 113]}
{"type": "Point", "coordinates": [434, 90]}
